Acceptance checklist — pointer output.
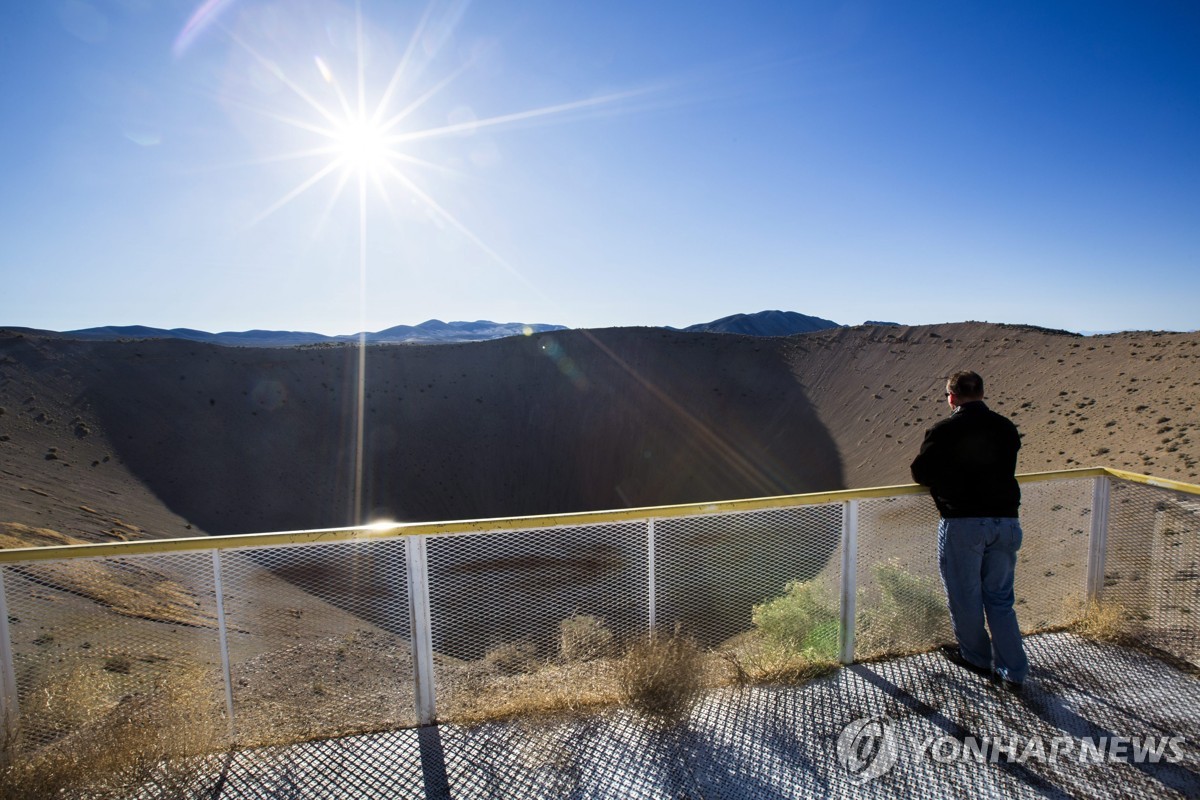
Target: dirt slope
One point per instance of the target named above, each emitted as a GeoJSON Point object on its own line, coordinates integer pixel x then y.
{"type": "Point", "coordinates": [239, 439]}
{"type": "Point", "coordinates": [1127, 400]}
{"type": "Point", "coordinates": [106, 440]}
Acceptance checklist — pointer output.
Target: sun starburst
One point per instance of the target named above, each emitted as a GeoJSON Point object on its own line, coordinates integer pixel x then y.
{"type": "Point", "coordinates": [356, 142]}
{"type": "Point", "coordinates": [366, 142]}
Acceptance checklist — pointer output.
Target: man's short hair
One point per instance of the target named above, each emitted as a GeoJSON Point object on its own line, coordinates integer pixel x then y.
{"type": "Point", "coordinates": [967, 385]}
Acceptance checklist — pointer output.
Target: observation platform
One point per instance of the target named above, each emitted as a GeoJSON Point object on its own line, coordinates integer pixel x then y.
{"type": "Point", "coordinates": [770, 743]}
{"type": "Point", "coordinates": [308, 640]}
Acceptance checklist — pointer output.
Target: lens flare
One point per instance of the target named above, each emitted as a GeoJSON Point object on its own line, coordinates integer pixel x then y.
{"type": "Point", "coordinates": [362, 141]}
{"type": "Point", "coordinates": [201, 18]}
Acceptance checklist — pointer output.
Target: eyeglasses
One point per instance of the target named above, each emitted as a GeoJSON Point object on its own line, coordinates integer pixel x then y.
{"type": "Point", "coordinates": [949, 393]}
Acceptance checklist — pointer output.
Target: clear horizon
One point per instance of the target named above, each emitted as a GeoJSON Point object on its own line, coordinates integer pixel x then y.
{"type": "Point", "coordinates": [330, 167]}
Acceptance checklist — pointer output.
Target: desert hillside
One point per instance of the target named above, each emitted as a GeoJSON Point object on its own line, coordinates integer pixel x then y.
{"type": "Point", "coordinates": [163, 438]}
{"type": "Point", "coordinates": [105, 438]}
{"type": "Point", "coordinates": [1126, 400]}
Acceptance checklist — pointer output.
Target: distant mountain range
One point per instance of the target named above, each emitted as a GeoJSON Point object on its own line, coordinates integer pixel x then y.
{"type": "Point", "coordinates": [763, 323]}
{"type": "Point", "coordinates": [433, 331]}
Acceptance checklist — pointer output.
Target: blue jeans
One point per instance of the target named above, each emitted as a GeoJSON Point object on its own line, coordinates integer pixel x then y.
{"type": "Point", "coordinates": [977, 557]}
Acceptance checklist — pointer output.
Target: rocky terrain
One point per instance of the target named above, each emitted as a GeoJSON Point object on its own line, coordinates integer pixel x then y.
{"type": "Point", "coordinates": [1126, 400]}
{"type": "Point", "coordinates": [166, 438]}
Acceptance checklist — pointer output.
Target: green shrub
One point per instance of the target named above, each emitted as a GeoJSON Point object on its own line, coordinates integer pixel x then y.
{"type": "Point", "coordinates": [919, 602]}
{"type": "Point", "coordinates": [799, 620]}
{"type": "Point", "coordinates": [910, 613]}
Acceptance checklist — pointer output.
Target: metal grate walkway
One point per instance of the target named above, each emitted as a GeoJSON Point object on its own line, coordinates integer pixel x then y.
{"type": "Point", "coordinates": [774, 743]}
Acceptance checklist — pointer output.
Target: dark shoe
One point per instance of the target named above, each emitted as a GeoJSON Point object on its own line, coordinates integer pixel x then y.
{"type": "Point", "coordinates": [955, 656]}
{"type": "Point", "coordinates": [1012, 686]}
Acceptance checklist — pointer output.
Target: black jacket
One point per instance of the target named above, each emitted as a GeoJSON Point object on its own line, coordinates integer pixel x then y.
{"type": "Point", "coordinates": [969, 461]}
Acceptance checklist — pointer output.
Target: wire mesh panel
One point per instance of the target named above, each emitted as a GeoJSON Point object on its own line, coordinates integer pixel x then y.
{"type": "Point", "coordinates": [901, 605]}
{"type": "Point", "coordinates": [1152, 566]}
{"type": "Point", "coordinates": [99, 641]}
{"type": "Point", "coordinates": [533, 617]}
{"type": "Point", "coordinates": [711, 572]}
{"type": "Point", "coordinates": [1056, 519]}
{"type": "Point", "coordinates": [319, 639]}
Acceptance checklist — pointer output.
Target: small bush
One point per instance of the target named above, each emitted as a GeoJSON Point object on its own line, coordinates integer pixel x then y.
{"type": "Point", "coordinates": [800, 620]}
{"type": "Point", "coordinates": [909, 615]}
{"type": "Point", "coordinates": [920, 602]}
{"type": "Point", "coordinates": [584, 638]}
{"type": "Point", "coordinates": [1103, 622]}
{"type": "Point", "coordinates": [661, 677]}
{"type": "Point", "coordinates": [513, 658]}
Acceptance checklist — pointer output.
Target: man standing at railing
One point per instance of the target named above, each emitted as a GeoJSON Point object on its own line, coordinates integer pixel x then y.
{"type": "Point", "coordinates": [969, 463]}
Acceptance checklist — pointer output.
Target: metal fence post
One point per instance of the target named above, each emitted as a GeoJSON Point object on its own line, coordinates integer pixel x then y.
{"type": "Point", "coordinates": [9, 704]}
{"type": "Point", "coordinates": [422, 630]}
{"type": "Point", "coordinates": [223, 633]}
{"type": "Point", "coordinates": [849, 580]}
{"type": "Point", "coordinates": [650, 566]}
{"type": "Point", "coordinates": [1098, 542]}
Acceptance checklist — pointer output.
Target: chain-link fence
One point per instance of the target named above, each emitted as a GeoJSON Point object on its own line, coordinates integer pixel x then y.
{"type": "Point", "coordinates": [85, 633]}
{"type": "Point", "coordinates": [901, 606]}
{"type": "Point", "coordinates": [533, 616]}
{"type": "Point", "coordinates": [318, 639]}
{"type": "Point", "coordinates": [285, 638]}
{"type": "Point", "coordinates": [1151, 567]}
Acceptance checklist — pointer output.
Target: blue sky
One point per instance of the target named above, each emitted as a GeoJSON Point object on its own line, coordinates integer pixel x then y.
{"type": "Point", "coordinates": [1026, 162]}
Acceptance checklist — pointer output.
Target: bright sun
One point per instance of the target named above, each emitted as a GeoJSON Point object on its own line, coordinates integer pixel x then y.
{"type": "Point", "coordinates": [362, 146]}
{"type": "Point", "coordinates": [366, 140]}
{"type": "Point", "coordinates": [369, 142]}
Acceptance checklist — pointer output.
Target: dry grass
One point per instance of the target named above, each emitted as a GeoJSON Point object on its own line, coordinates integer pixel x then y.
{"type": "Point", "coordinates": [14, 534]}
{"type": "Point", "coordinates": [1103, 622]}
{"type": "Point", "coordinates": [96, 744]}
{"type": "Point", "coordinates": [661, 677]}
{"type": "Point", "coordinates": [549, 690]}
{"type": "Point", "coordinates": [753, 660]}
{"type": "Point", "coordinates": [513, 658]}
{"type": "Point", "coordinates": [126, 587]}
{"type": "Point", "coordinates": [583, 638]}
